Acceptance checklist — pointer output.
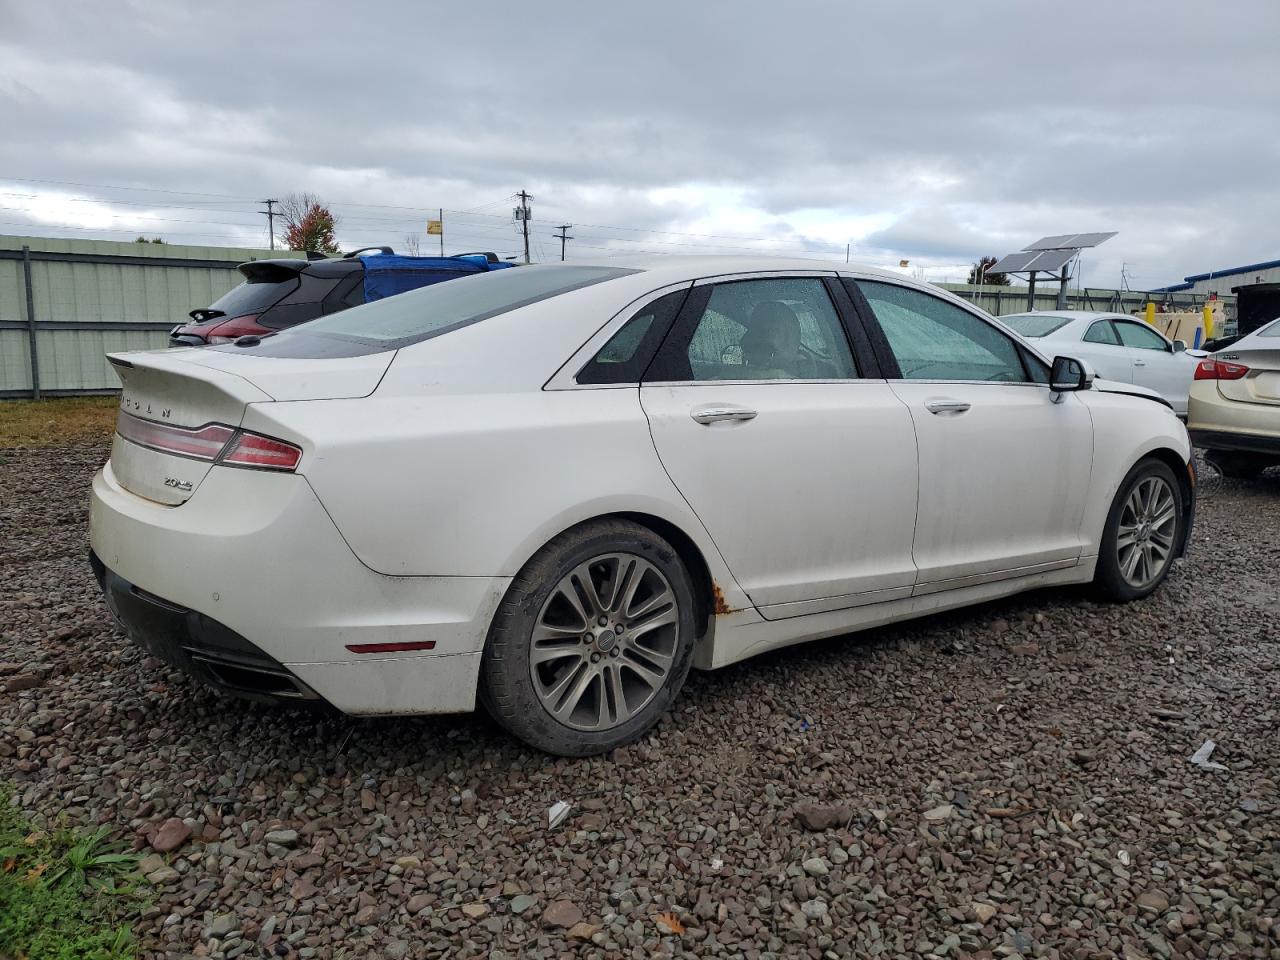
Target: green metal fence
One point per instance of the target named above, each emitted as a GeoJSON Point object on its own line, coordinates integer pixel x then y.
{"type": "Point", "coordinates": [64, 304]}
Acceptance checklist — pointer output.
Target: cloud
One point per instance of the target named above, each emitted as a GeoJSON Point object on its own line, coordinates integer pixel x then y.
{"type": "Point", "coordinates": [936, 133]}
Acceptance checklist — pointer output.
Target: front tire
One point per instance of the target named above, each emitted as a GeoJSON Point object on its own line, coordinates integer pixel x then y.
{"type": "Point", "coordinates": [1144, 528]}
{"type": "Point", "coordinates": [592, 641]}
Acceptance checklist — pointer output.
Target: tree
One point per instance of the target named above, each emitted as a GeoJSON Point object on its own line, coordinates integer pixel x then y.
{"type": "Point", "coordinates": [142, 239]}
{"type": "Point", "coordinates": [412, 244]}
{"type": "Point", "coordinates": [308, 224]}
{"type": "Point", "coordinates": [979, 271]}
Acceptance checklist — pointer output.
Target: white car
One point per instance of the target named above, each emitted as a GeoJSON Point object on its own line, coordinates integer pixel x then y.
{"type": "Point", "coordinates": [1120, 348]}
{"type": "Point", "coordinates": [554, 488]}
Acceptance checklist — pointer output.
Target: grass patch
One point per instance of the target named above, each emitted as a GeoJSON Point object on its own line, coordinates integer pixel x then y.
{"type": "Point", "coordinates": [52, 423]}
{"type": "Point", "coordinates": [64, 894]}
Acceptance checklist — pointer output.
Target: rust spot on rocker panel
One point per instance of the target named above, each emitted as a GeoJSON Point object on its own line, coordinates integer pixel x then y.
{"type": "Point", "coordinates": [718, 605]}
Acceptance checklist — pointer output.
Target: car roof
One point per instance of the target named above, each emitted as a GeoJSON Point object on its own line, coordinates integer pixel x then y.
{"type": "Point", "coordinates": [676, 267]}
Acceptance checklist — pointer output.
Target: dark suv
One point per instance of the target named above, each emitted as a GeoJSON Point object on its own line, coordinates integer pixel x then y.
{"type": "Point", "coordinates": [284, 293]}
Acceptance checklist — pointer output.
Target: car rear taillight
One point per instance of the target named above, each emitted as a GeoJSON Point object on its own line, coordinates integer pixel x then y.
{"type": "Point", "coordinates": [214, 442]}
{"type": "Point", "coordinates": [1211, 369]}
{"type": "Point", "coordinates": [199, 443]}
{"type": "Point", "coordinates": [264, 453]}
{"type": "Point", "coordinates": [230, 330]}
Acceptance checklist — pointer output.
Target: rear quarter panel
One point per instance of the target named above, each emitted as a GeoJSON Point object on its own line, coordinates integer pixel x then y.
{"type": "Point", "coordinates": [1125, 429]}
{"type": "Point", "coordinates": [474, 485]}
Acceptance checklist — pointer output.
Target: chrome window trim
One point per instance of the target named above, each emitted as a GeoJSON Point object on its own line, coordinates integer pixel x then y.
{"type": "Point", "coordinates": [751, 383]}
{"type": "Point", "coordinates": [766, 275]}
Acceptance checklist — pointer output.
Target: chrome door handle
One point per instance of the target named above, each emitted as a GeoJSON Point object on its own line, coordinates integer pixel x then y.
{"type": "Point", "coordinates": [714, 414]}
{"type": "Point", "coordinates": [1139, 363]}
{"type": "Point", "coordinates": [946, 406]}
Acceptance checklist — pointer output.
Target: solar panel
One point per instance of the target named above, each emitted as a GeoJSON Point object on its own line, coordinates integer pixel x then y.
{"type": "Point", "coordinates": [1051, 243]}
{"type": "Point", "coordinates": [1051, 260]}
{"type": "Point", "coordinates": [1084, 240]}
{"type": "Point", "coordinates": [1013, 263]}
{"type": "Point", "coordinates": [1070, 241]}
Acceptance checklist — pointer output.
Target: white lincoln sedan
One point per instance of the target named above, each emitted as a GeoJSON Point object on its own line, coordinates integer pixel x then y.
{"type": "Point", "coordinates": [554, 489]}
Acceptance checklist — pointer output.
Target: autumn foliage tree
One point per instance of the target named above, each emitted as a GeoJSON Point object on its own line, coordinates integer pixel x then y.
{"type": "Point", "coordinates": [308, 224]}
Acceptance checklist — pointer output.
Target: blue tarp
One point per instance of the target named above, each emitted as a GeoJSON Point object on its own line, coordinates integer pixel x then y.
{"type": "Point", "coordinates": [385, 275]}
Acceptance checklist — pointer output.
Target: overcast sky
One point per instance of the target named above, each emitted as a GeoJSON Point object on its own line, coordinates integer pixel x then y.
{"type": "Point", "coordinates": [934, 132]}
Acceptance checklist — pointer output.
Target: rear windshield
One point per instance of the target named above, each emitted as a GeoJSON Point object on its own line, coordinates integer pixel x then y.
{"type": "Point", "coordinates": [253, 296]}
{"type": "Point", "coordinates": [1034, 325]}
{"type": "Point", "coordinates": [1271, 330]}
{"type": "Point", "coordinates": [419, 314]}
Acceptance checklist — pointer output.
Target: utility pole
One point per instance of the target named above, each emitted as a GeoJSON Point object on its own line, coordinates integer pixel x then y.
{"type": "Point", "coordinates": [271, 220]}
{"type": "Point", "coordinates": [564, 229]}
{"type": "Point", "coordinates": [847, 248]}
{"type": "Point", "coordinates": [442, 231]}
{"type": "Point", "coordinates": [522, 214]}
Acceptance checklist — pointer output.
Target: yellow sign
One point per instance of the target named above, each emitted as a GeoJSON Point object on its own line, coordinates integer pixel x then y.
{"type": "Point", "coordinates": [435, 227]}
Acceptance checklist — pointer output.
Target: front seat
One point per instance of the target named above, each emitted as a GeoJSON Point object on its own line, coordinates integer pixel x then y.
{"type": "Point", "coordinates": [771, 345]}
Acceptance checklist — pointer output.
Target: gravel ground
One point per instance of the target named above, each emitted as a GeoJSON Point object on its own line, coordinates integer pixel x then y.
{"type": "Point", "coordinates": [1008, 780]}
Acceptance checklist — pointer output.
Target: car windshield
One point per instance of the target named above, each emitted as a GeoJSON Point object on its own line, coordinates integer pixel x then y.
{"type": "Point", "coordinates": [410, 317]}
{"type": "Point", "coordinates": [1034, 324]}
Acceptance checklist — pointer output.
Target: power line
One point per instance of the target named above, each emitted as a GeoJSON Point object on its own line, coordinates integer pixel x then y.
{"type": "Point", "coordinates": [472, 211]}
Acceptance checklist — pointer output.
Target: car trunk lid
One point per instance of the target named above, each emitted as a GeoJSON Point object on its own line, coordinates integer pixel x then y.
{"type": "Point", "coordinates": [1260, 385]}
{"type": "Point", "coordinates": [177, 405]}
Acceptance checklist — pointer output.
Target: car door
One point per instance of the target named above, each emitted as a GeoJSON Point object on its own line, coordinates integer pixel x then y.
{"type": "Point", "coordinates": [1101, 346]}
{"type": "Point", "coordinates": [1154, 363]}
{"type": "Point", "coordinates": [799, 461]}
{"type": "Point", "coordinates": [1004, 464]}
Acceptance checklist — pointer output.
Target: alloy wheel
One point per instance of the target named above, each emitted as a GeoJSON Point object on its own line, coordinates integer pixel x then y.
{"type": "Point", "coordinates": [1148, 525]}
{"type": "Point", "coordinates": [604, 642]}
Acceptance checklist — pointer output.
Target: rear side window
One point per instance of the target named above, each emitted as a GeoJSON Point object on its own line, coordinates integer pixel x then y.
{"type": "Point", "coordinates": [1271, 330]}
{"type": "Point", "coordinates": [1102, 332]}
{"type": "Point", "coordinates": [253, 296]}
{"type": "Point", "coordinates": [776, 328]}
{"type": "Point", "coordinates": [414, 316]}
{"type": "Point", "coordinates": [623, 358]}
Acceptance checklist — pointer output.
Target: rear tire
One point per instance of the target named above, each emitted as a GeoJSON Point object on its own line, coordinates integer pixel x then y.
{"type": "Point", "coordinates": [592, 641]}
{"type": "Point", "coordinates": [1143, 531]}
{"type": "Point", "coordinates": [1238, 466]}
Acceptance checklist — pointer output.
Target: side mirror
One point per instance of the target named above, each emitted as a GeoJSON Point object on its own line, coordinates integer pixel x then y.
{"type": "Point", "coordinates": [1069, 374]}
{"type": "Point", "coordinates": [1179, 346]}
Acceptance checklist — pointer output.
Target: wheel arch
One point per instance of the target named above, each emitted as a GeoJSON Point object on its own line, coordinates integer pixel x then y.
{"type": "Point", "coordinates": [709, 597]}
{"type": "Point", "coordinates": [1184, 474]}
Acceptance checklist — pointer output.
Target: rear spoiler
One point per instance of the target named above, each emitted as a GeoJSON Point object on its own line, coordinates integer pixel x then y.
{"type": "Point", "coordinates": [271, 271]}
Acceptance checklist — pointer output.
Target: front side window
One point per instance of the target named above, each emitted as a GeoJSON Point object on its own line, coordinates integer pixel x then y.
{"type": "Point", "coordinates": [936, 340]}
{"type": "Point", "coordinates": [1102, 332]}
{"type": "Point", "coordinates": [1141, 336]}
{"type": "Point", "coordinates": [777, 328]}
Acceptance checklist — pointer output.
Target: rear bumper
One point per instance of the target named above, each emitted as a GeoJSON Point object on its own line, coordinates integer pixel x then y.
{"type": "Point", "coordinates": [250, 587]}
{"type": "Point", "coordinates": [196, 644]}
{"type": "Point", "coordinates": [1243, 442]}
